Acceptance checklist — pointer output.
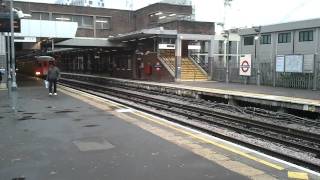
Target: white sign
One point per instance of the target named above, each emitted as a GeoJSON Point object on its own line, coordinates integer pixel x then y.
{"type": "Point", "coordinates": [167, 46]}
{"type": "Point", "coordinates": [308, 63]}
{"type": "Point", "coordinates": [2, 45]}
{"type": "Point", "coordinates": [280, 64]}
{"type": "Point", "coordinates": [25, 39]}
{"type": "Point", "coordinates": [294, 63]}
{"type": "Point", "coordinates": [245, 65]}
{"type": "Point", "coordinates": [196, 47]}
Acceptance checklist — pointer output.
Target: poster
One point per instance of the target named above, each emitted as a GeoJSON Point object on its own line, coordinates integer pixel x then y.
{"type": "Point", "coordinates": [294, 63]}
{"type": "Point", "coordinates": [308, 63]}
{"type": "Point", "coordinates": [280, 64]}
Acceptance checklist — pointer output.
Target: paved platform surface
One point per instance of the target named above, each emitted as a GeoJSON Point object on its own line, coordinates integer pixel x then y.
{"type": "Point", "coordinates": [277, 91]}
{"type": "Point", "coordinates": [71, 137]}
{"type": "Point", "coordinates": [61, 137]}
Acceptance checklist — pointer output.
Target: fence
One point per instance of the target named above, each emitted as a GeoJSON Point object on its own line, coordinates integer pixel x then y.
{"type": "Point", "coordinates": [268, 76]}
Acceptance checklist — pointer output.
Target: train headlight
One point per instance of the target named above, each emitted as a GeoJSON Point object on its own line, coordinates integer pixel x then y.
{"type": "Point", "coordinates": [38, 73]}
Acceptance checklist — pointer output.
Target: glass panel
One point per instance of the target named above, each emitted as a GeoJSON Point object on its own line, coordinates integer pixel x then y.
{"type": "Point", "coordinates": [102, 23]}
{"type": "Point", "coordinates": [36, 15]}
{"type": "Point", "coordinates": [311, 36]}
{"type": "Point", "coordinates": [77, 19]}
{"type": "Point", "coordinates": [248, 40]}
{"type": "Point", "coordinates": [44, 16]}
{"type": "Point", "coordinates": [305, 36]}
{"type": "Point", "coordinates": [87, 21]}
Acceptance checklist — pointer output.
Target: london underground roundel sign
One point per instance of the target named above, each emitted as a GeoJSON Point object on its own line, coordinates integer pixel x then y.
{"type": "Point", "coordinates": [245, 65]}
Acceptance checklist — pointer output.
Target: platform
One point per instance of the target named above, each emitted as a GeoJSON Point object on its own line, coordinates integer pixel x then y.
{"type": "Point", "coordinates": [299, 99]}
{"type": "Point", "coordinates": [78, 136]}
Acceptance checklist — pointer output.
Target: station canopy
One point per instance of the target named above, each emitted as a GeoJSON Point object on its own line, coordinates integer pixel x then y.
{"type": "Point", "coordinates": [144, 33]}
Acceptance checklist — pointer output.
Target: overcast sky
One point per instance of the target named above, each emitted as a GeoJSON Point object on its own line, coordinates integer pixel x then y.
{"type": "Point", "coordinates": [242, 12]}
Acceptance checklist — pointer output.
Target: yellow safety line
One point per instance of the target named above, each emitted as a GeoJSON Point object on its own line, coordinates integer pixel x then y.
{"type": "Point", "coordinates": [298, 175]}
{"type": "Point", "coordinates": [204, 139]}
{"type": "Point", "coordinates": [213, 143]}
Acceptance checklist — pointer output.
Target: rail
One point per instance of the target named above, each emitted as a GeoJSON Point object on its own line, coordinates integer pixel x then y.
{"type": "Point", "coordinates": [289, 137]}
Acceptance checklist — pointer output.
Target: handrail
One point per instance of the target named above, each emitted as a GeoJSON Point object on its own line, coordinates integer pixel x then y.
{"type": "Point", "coordinates": [203, 68]}
{"type": "Point", "coordinates": [168, 65]}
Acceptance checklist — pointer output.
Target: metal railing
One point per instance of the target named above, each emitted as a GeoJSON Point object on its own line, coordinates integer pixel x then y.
{"type": "Point", "coordinates": [200, 60]}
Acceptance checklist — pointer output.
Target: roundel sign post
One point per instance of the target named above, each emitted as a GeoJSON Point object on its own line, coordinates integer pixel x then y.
{"type": "Point", "coordinates": [245, 65]}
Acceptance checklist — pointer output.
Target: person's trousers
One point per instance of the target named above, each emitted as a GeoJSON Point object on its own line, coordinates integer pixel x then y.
{"type": "Point", "coordinates": [54, 84]}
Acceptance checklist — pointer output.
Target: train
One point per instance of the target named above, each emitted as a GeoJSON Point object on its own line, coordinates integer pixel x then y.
{"type": "Point", "coordinates": [35, 66]}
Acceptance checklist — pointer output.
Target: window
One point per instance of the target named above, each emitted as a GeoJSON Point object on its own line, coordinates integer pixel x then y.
{"type": "Point", "coordinates": [40, 16]}
{"type": "Point", "coordinates": [153, 18]}
{"type": "Point", "coordinates": [248, 40]}
{"type": "Point", "coordinates": [90, 2]}
{"type": "Point", "coordinates": [103, 23]}
{"type": "Point", "coordinates": [77, 19]}
{"type": "Point", "coordinates": [306, 36]}
{"type": "Point", "coordinates": [265, 39]}
{"type": "Point", "coordinates": [284, 37]}
{"type": "Point", "coordinates": [83, 21]}
{"type": "Point", "coordinates": [87, 21]}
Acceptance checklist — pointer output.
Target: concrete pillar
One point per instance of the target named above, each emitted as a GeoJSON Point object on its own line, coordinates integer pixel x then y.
{"type": "Point", "coordinates": [274, 42]}
{"type": "Point", "coordinates": [3, 63]}
{"type": "Point", "coordinates": [316, 56]}
{"type": "Point", "coordinates": [210, 57]}
{"type": "Point", "coordinates": [135, 65]}
{"type": "Point", "coordinates": [178, 58]}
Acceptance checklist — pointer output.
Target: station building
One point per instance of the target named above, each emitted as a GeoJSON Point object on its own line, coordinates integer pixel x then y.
{"type": "Point", "coordinates": [287, 53]}
{"type": "Point", "coordinates": [162, 42]}
{"type": "Point", "coordinates": [141, 44]}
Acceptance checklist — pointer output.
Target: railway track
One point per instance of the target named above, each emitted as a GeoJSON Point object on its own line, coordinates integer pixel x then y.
{"type": "Point", "coordinates": [296, 139]}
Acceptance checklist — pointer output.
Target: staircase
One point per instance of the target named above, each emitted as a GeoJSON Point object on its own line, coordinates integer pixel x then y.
{"type": "Point", "coordinates": [189, 71]}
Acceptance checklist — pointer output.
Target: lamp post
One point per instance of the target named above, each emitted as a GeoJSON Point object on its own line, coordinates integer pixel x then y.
{"type": "Point", "coordinates": [226, 39]}
{"type": "Point", "coordinates": [256, 39]}
{"type": "Point", "coordinates": [13, 61]}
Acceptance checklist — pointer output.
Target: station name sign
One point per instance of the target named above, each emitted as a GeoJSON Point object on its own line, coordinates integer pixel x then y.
{"type": "Point", "coordinates": [245, 65]}
{"type": "Point", "coordinates": [167, 46]}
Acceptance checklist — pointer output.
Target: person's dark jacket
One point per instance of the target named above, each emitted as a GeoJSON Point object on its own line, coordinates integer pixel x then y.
{"type": "Point", "coordinates": [53, 73]}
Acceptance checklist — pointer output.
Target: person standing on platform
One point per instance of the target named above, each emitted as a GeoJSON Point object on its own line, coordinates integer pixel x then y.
{"type": "Point", "coordinates": [0, 77]}
{"type": "Point", "coordinates": [53, 76]}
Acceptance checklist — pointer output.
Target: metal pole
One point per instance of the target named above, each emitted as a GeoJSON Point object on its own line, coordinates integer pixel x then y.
{"type": "Point", "coordinates": [226, 61]}
{"type": "Point", "coordinates": [14, 83]}
{"type": "Point", "coordinates": [237, 61]}
{"type": "Point", "coordinates": [52, 45]}
{"type": "Point", "coordinates": [8, 57]}
{"type": "Point", "coordinates": [258, 62]}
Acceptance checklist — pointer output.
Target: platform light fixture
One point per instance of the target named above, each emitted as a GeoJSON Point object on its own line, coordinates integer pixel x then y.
{"type": "Point", "coordinates": [142, 38]}
{"type": "Point", "coordinates": [162, 17]}
{"type": "Point", "coordinates": [173, 14]}
{"type": "Point", "coordinates": [63, 19]}
{"type": "Point", "coordinates": [101, 21]}
{"type": "Point", "coordinates": [158, 13]}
